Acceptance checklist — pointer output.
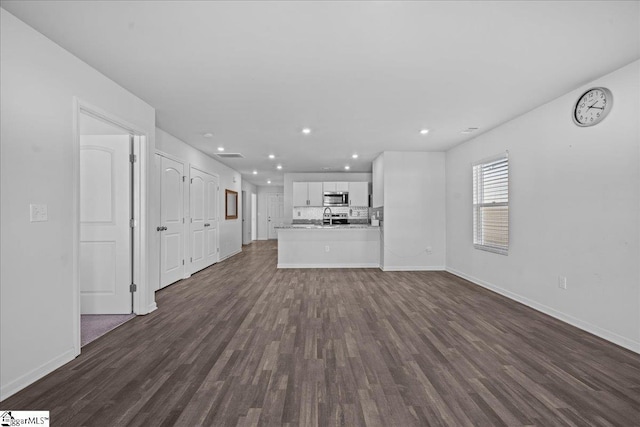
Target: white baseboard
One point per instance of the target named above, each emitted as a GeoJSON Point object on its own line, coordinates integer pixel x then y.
{"type": "Point", "coordinates": [413, 268]}
{"type": "Point", "coordinates": [151, 307]}
{"type": "Point", "coordinates": [581, 324]}
{"type": "Point", "coordinates": [34, 375]}
{"type": "Point", "coordinates": [364, 265]}
{"type": "Point", "coordinates": [230, 255]}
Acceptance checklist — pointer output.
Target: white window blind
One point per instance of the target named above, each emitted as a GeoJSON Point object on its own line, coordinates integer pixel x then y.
{"type": "Point", "coordinates": [491, 204]}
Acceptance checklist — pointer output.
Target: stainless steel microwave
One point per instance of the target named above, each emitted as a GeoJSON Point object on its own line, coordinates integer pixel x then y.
{"type": "Point", "coordinates": [336, 198]}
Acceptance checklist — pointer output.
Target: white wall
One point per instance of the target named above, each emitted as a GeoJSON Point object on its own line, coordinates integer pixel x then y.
{"type": "Point", "coordinates": [230, 230]}
{"type": "Point", "coordinates": [290, 178]}
{"type": "Point", "coordinates": [39, 81]}
{"type": "Point", "coordinates": [377, 199]}
{"type": "Point", "coordinates": [574, 212]}
{"type": "Point", "coordinates": [414, 211]}
{"type": "Point", "coordinates": [263, 190]}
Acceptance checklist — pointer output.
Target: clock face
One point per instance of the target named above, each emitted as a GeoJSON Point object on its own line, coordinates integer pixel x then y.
{"type": "Point", "coordinates": [592, 107]}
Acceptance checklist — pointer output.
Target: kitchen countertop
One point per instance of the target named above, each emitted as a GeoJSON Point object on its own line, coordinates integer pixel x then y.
{"type": "Point", "coordinates": [325, 227]}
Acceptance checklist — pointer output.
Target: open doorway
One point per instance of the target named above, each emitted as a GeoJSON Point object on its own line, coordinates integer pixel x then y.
{"type": "Point", "coordinates": [108, 237]}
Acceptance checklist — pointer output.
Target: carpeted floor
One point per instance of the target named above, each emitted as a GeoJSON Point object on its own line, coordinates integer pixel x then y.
{"type": "Point", "coordinates": [93, 326]}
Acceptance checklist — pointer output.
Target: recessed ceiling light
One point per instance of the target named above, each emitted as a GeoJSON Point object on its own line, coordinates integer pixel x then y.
{"type": "Point", "coordinates": [220, 148]}
{"type": "Point", "coordinates": [347, 167]}
{"type": "Point", "coordinates": [271, 156]}
{"type": "Point", "coordinates": [424, 131]}
{"type": "Point", "coordinates": [306, 131]}
{"type": "Point", "coordinates": [355, 156]}
{"type": "Point", "coordinates": [208, 135]}
{"type": "Point", "coordinates": [255, 172]}
{"type": "Point", "coordinates": [469, 130]}
{"type": "Point", "coordinates": [268, 182]}
{"type": "Point", "coordinates": [279, 167]}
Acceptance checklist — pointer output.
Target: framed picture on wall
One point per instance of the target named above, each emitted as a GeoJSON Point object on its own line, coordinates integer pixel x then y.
{"type": "Point", "coordinates": [230, 204]}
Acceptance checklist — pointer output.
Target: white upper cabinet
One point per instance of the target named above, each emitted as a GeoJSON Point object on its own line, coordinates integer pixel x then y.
{"type": "Point", "coordinates": [358, 194]}
{"type": "Point", "coordinates": [307, 194]}
{"type": "Point", "coordinates": [300, 194]}
{"type": "Point", "coordinates": [316, 197]}
{"type": "Point", "coordinates": [336, 186]}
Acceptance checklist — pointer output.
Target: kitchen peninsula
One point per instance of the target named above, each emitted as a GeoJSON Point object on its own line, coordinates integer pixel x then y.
{"type": "Point", "coordinates": [328, 246]}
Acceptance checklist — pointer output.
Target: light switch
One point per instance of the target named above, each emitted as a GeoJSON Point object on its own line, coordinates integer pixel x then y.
{"type": "Point", "coordinates": [38, 213]}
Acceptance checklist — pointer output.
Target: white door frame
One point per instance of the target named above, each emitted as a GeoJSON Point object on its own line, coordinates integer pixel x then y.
{"type": "Point", "coordinates": [143, 300]}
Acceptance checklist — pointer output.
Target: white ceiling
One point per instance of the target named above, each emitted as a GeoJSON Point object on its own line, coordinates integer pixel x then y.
{"type": "Point", "coordinates": [364, 76]}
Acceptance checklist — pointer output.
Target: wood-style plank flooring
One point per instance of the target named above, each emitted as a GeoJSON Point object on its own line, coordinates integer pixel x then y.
{"type": "Point", "coordinates": [245, 344]}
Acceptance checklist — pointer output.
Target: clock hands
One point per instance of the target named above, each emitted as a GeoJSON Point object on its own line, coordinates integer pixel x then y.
{"type": "Point", "coordinates": [592, 106]}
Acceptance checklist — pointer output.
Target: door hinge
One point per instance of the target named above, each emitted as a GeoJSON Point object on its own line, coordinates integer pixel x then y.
{"type": "Point", "coordinates": [133, 287]}
{"type": "Point", "coordinates": [191, 180]}
{"type": "Point", "coordinates": [182, 262]}
{"type": "Point", "coordinates": [132, 223]}
{"type": "Point", "coordinates": [133, 158]}
{"type": "Point", "coordinates": [218, 250]}
{"type": "Point", "coordinates": [191, 259]}
{"type": "Point", "coordinates": [183, 220]}
{"type": "Point", "coordinates": [184, 178]}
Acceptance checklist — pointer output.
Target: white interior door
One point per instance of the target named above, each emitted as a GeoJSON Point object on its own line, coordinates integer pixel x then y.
{"type": "Point", "coordinates": [211, 225]}
{"type": "Point", "coordinates": [246, 219]}
{"type": "Point", "coordinates": [254, 216]}
{"type": "Point", "coordinates": [171, 226]}
{"type": "Point", "coordinates": [105, 232]}
{"type": "Point", "coordinates": [275, 213]}
{"type": "Point", "coordinates": [203, 193]}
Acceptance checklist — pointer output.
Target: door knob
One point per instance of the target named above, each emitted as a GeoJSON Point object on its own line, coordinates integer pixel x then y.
{"type": "Point", "coordinates": [159, 228]}
{"type": "Point", "coordinates": [206, 225]}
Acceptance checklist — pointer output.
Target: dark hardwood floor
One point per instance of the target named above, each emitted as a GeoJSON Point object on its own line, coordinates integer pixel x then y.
{"type": "Point", "coordinates": [243, 343]}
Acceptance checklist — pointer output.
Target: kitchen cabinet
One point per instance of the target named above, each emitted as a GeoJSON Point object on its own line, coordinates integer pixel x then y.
{"type": "Point", "coordinates": [358, 194]}
{"type": "Point", "coordinates": [336, 186]}
{"type": "Point", "coordinates": [307, 194]}
{"type": "Point", "coordinates": [316, 197]}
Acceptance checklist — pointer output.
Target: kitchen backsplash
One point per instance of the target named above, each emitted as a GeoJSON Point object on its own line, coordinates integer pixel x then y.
{"type": "Point", "coordinates": [315, 213]}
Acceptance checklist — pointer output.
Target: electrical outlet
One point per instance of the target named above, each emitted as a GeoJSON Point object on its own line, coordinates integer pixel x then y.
{"type": "Point", "coordinates": [298, 213]}
{"type": "Point", "coordinates": [562, 282]}
{"type": "Point", "coordinates": [326, 248]}
{"type": "Point", "coordinates": [38, 213]}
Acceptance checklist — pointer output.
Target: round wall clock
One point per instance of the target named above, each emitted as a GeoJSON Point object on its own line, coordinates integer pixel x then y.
{"type": "Point", "coordinates": [593, 106]}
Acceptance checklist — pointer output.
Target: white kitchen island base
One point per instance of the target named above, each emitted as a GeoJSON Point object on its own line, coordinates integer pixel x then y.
{"type": "Point", "coordinates": [328, 247]}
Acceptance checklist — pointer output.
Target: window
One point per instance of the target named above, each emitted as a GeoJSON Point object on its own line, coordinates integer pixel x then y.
{"type": "Point", "coordinates": [491, 204]}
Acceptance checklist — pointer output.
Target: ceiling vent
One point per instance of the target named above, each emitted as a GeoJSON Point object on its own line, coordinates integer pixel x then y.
{"type": "Point", "coordinates": [230, 155]}
{"type": "Point", "coordinates": [469, 130]}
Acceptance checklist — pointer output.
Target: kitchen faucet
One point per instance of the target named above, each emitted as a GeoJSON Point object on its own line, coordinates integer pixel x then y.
{"type": "Point", "coordinates": [324, 215]}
